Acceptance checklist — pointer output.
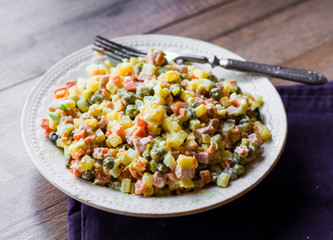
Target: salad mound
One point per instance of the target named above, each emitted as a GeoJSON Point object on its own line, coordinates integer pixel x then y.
{"type": "Point", "coordinates": [150, 126]}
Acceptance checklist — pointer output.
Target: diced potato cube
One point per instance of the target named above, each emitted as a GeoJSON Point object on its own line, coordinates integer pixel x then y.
{"type": "Point", "coordinates": [258, 99]}
{"type": "Point", "coordinates": [149, 191]}
{"type": "Point", "coordinates": [263, 132]}
{"type": "Point", "coordinates": [53, 124]}
{"type": "Point", "coordinates": [195, 124]}
{"type": "Point", "coordinates": [114, 140]}
{"type": "Point", "coordinates": [175, 140]}
{"type": "Point", "coordinates": [223, 180]}
{"type": "Point", "coordinates": [100, 137]}
{"type": "Point", "coordinates": [186, 162]}
{"type": "Point", "coordinates": [125, 68]}
{"type": "Point", "coordinates": [95, 110]}
{"type": "Point", "coordinates": [111, 116]}
{"type": "Point", "coordinates": [198, 73]}
{"type": "Point", "coordinates": [155, 113]}
{"type": "Point", "coordinates": [125, 121]}
{"type": "Point", "coordinates": [67, 105]}
{"type": "Point", "coordinates": [87, 94]}
{"type": "Point", "coordinates": [93, 69]}
{"type": "Point", "coordinates": [170, 161]}
{"type": "Point", "coordinates": [161, 92]}
{"type": "Point", "coordinates": [221, 111]}
{"type": "Point", "coordinates": [126, 185]}
{"type": "Point", "coordinates": [92, 86]}
{"type": "Point", "coordinates": [174, 126]}
{"type": "Point", "coordinates": [148, 68]}
{"type": "Point", "coordinates": [186, 183]}
{"type": "Point", "coordinates": [111, 87]}
{"type": "Point", "coordinates": [172, 76]}
{"type": "Point", "coordinates": [200, 110]}
{"type": "Point", "coordinates": [91, 123]}
{"type": "Point", "coordinates": [129, 156]}
{"type": "Point", "coordinates": [118, 105]}
{"type": "Point", "coordinates": [205, 138]}
{"type": "Point", "coordinates": [81, 83]}
{"type": "Point", "coordinates": [147, 179]}
{"type": "Point", "coordinates": [74, 147]}
{"type": "Point", "coordinates": [86, 163]}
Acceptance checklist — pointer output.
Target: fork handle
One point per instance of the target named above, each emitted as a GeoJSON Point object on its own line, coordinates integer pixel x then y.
{"type": "Point", "coordinates": [293, 74]}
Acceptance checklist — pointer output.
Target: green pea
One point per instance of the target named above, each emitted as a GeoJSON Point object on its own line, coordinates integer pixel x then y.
{"type": "Point", "coordinates": [96, 99]}
{"type": "Point", "coordinates": [156, 152]}
{"type": "Point", "coordinates": [239, 169]}
{"type": "Point", "coordinates": [254, 148]}
{"type": "Point", "coordinates": [257, 114]}
{"type": "Point", "coordinates": [82, 105]}
{"type": "Point", "coordinates": [108, 162]}
{"type": "Point", "coordinates": [128, 98]}
{"type": "Point", "coordinates": [212, 77]}
{"type": "Point", "coordinates": [144, 91]}
{"type": "Point", "coordinates": [137, 68]}
{"type": "Point", "coordinates": [215, 93]}
{"type": "Point", "coordinates": [88, 175]}
{"type": "Point", "coordinates": [132, 111]}
{"type": "Point", "coordinates": [162, 167]}
{"type": "Point", "coordinates": [232, 173]}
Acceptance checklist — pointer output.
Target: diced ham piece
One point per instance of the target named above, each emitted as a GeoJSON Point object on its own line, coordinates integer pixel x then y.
{"type": "Point", "coordinates": [214, 157]}
{"type": "Point", "coordinates": [184, 173]}
{"type": "Point", "coordinates": [54, 105]}
{"type": "Point", "coordinates": [103, 81]}
{"type": "Point", "coordinates": [219, 85]}
{"type": "Point", "coordinates": [175, 154]}
{"type": "Point", "coordinates": [70, 84]}
{"type": "Point", "coordinates": [102, 123]}
{"type": "Point", "coordinates": [159, 179]}
{"type": "Point", "coordinates": [101, 177]}
{"type": "Point", "coordinates": [100, 153]}
{"type": "Point", "coordinates": [140, 144]}
{"type": "Point", "coordinates": [67, 119]}
{"type": "Point", "coordinates": [242, 151]}
{"type": "Point", "coordinates": [171, 176]}
{"type": "Point", "coordinates": [143, 76]}
{"type": "Point", "coordinates": [178, 68]}
{"type": "Point", "coordinates": [202, 157]}
{"type": "Point", "coordinates": [231, 110]}
{"type": "Point", "coordinates": [255, 138]}
{"type": "Point", "coordinates": [85, 116]}
{"type": "Point", "coordinates": [205, 176]}
{"type": "Point", "coordinates": [212, 127]}
{"type": "Point", "coordinates": [155, 58]}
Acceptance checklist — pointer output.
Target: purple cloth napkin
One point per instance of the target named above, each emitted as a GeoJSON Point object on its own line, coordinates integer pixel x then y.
{"type": "Point", "coordinates": [295, 201]}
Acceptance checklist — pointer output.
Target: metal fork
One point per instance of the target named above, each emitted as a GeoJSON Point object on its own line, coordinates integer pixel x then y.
{"type": "Point", "coordinates": [117, 51]}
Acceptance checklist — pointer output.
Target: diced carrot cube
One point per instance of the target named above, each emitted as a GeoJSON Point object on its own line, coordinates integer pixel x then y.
{"type": "Point", "coordinates": [116, 79]}
{"type": "Point", "coordinates": [140, 187]}
{"type": "Point", "coordinates": [139, 132]}
{"type": "Point", "coordinates": [119, 130]}
{"type": "Point", "coordinates": [76, 172]}
{"type": "Point", "coordinates": [182, 112]}
{"type": "Point", "coordinates": [141, 123]}
{"type": "Point", "coordinates": [79, 133]}
{"type": "Point", "coordinates": [60, 93]}
{"type": "Point", "coordinates": [175, 108]}
{"type": "Point", "coordinates": [129, 84]}
{"type": "Point", "coordinates": [70, 84]}
{"type": "Point", "coordinates": [211, 149]}
{"type": "Point", "coordinates": [78, 154]}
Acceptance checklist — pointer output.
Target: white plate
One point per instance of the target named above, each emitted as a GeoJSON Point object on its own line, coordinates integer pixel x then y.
{"type": "Point", "coordinates": [49, 161]}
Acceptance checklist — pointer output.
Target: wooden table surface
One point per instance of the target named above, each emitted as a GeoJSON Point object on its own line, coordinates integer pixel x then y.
{"type": "Point", "coordinates": [37, 34]}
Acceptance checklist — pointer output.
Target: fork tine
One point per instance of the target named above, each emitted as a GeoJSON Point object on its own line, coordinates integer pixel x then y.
{"type": "Point", "coordinates": [113, 51]}
{"type": "Point", "coordinates": [120, 46]}
{"type": "Point", "coordinates": [116, 50]}
{"type": "Point", "coordinates": [108, 54]}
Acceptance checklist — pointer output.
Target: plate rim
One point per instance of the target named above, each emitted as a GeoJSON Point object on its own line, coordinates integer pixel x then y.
{"type": "Point", "coordinates": [24, 125]}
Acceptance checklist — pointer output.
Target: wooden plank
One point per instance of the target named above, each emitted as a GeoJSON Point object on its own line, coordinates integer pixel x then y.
{"type": "Point", "coordinates": [31, 206]}
{"type": "Point", "coordinates": [227, 18]}
{"type": "Point", "coordinates": [319, 59]}
{"type": "Point", "coordinates": [47, 31]}
{"type": "Point", "coordinates": [285, 35]}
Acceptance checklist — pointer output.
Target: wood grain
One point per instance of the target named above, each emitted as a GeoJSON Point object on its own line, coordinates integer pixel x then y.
{"type": "Point", "coordinates": [50, 30]}
{"type": "Point", "coordinates": [288, 32]}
